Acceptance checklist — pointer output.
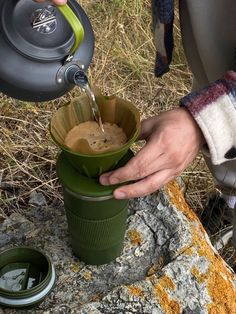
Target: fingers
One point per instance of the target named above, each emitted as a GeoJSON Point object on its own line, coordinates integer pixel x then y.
{"type": "Point", "coordinates": [60, 2]}
{"type": "Point", "coordinates": [144, 187]}
{"type": "Point", "coordinates": [140, 166]}
{"type": "Point", "coordinates": [172, 142]}
{"type": "Point", "coordinates": [57, 2]}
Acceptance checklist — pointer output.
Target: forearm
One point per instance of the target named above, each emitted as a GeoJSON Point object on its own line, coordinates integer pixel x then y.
{"type": "Point", "coordinates": [214, 110]}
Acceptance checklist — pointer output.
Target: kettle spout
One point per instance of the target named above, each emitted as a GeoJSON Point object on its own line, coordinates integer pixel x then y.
{"type": "Point", "coordinates": [80, 79]}
{"type": "Point", "coordinates": [75, 75]}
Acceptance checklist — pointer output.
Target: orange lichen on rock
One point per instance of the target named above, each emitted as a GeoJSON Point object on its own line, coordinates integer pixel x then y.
{"type": "Point", "coordinates": [135, 291]}
{"type": "Point", "coordinates": [135, 237]}
{"type": "Point", "coordinates": [188, 251]}
{"type": "Point", "coordinates": [219, 279]}
{"type": "Point", "coordinates": [200, 277]}
{"type": "Point", "coordinates": [88, 275]}
{"type": "Point", "coordinates": [178, 200]}
{"type": "Point", "coordinates": [166, 282]}
{"type": "Point", "coordinates": [223, 298]}
{"type": "Point", "coordinates": [217, 309]}
{"type": "Point", "coordinates": [169, 305]}
{"type": "Point", "coordinates": [75, 267]}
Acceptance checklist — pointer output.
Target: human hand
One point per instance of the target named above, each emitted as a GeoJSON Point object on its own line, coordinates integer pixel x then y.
{"type": "Point", "coordinates": [57, 2]}
{"type": "Point", "coordinates": [173, 141]}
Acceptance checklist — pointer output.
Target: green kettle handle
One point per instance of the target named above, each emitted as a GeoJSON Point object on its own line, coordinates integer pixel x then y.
{"type": "Point", "coordinates": [75, 25]}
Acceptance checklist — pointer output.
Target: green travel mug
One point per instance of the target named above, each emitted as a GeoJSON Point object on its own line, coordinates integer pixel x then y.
{"type": "Point", "coordinates": [96, 221]}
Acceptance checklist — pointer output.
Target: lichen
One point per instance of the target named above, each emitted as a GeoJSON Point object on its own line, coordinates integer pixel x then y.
{"type": "Point", "coordinates": [170, 306]}
{"type": "Point", "coordinates": [135, 291]}
{"type": "Point", "coordinates": [75, 267]}
{"type": "Point", "coordinates": [223, 296]}
{"type": "Point", "coordinates": [201, 277]}
{"type": "Point", "coordinates": [87, 275]}
{"type": "Point", "coordinates": [177, 198]}
{"type": "Point", "coordinates": [188, 251]}
{"type": "Point", "coordinates": [219, 279]}
{"type": "Point", "coordinates": [135, 237]}
{"type": "Point", "coordinates": [167, 282]}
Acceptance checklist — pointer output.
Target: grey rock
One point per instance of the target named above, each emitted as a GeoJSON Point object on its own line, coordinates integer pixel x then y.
{"type": "Point", "coordinates": [4, 239]}
{"type": "Point", "coordinates": [167, 264]}
{"type": "Point", "coordinates": [37, 199]}
{"type": "Point", "coordinates": [15, 229]}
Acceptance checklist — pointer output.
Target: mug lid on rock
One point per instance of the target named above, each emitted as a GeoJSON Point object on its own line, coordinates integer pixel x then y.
{"type": "Point", "coordinates": [26, 277]}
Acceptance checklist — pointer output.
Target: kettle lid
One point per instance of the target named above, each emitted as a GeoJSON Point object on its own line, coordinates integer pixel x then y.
{"type": "Point", "coordinates": [37, 30]}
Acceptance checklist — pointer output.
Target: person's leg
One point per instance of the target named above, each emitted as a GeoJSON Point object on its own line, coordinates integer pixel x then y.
{"type": "Point", "coordinates": [234, 229]}
{"type": "Point", "coordinates": [195, 42]}
{"type": "Point", "coordinates": [225, 180]}
{"type": "Point", "coordinates": [225, 177]}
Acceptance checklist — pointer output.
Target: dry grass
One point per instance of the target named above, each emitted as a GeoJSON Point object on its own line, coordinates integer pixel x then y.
{"type": "Point", "coordinates": [123, 65]}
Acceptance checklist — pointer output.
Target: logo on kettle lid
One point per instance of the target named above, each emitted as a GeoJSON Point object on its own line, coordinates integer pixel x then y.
{"type": "Point", "coordinates": [44, 20]}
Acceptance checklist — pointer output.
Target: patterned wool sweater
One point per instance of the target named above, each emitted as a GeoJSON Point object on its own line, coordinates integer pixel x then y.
{"type": "Point", "coordinates": [214, 106]}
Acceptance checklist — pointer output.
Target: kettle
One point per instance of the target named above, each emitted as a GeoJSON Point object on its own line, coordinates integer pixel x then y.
{"type": "Point", "coordinates": [42, 46]}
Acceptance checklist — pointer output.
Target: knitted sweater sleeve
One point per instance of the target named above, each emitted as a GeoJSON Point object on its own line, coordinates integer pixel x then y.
{"type": "Point", "coordinates": [214, 110]}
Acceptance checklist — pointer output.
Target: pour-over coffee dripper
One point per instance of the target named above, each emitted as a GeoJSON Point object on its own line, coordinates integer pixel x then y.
{"type": "Point", "coordinates": [113, 110]}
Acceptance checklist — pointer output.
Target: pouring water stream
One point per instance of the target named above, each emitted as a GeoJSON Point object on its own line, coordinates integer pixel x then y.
{"type": "Point", "coordinates": [81, 80]}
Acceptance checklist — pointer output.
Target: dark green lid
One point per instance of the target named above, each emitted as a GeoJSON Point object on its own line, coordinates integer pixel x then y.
{"type": "Point", "coordinates": [71, 179]}
{"type": "Point", "coordinates": [26, 277]}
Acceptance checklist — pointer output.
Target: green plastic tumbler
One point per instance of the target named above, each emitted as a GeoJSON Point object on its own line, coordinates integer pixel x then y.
{"type": "Point", "coordinates": [96, 221]}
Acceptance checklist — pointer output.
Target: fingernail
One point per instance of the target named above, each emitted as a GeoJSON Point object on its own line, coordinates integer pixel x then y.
{"type": "Point", "coordinates": [120, 195]}
{"type": "Point", "coordinates": [104, 180]}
